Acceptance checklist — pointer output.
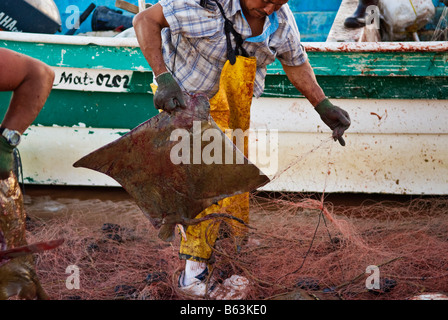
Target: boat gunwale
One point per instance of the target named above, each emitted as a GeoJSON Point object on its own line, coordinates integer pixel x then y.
{"type": "Point", "coordinates": [356, 47]}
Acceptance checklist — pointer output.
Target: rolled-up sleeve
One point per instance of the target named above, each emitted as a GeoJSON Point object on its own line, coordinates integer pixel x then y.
{"type": "Point", "coordinates": [189, 18]}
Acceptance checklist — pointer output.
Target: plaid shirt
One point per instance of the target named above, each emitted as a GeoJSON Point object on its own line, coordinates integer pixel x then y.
{"type": "Point", "coordinates": [194, 46]}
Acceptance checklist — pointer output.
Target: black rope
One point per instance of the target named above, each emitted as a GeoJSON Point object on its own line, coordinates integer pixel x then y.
{"type": "Point", "coordinates": [228, 29]}
{"type": "Point", "coordinates": [321, 216]}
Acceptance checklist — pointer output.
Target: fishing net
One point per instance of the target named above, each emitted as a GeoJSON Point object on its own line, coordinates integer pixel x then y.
{"type": "Point", "coordinates": [299, 246]}
{"type": "Point", "coordinates": [441, 31]}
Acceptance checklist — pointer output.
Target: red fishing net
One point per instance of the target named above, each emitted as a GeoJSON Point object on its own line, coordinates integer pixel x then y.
{"type": "Point", "coordinates": [299, 247]}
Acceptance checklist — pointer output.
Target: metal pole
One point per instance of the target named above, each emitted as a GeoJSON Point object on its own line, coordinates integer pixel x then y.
{"type": "Point", "coordinates": [141, 5]}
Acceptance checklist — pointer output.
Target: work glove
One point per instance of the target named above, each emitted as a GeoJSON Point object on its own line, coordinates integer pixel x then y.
{"type": "Point", "coordinates": [336, 118]}
{"type": "Point", "coordinates": [168, 95]}
{"type": "Point", "coordinates": [6, 158]}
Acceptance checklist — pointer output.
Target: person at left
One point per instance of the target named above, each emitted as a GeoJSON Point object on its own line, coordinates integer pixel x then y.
{"type": "Point", "coordinates": [31, 82]}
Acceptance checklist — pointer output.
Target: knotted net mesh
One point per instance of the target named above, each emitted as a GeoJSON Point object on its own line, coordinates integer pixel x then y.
{"type": "Point", "coordinates": [299, 246]}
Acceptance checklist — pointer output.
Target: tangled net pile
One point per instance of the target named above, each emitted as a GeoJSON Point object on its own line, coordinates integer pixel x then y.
{"type": "Point", "coordinates": [299, 247]}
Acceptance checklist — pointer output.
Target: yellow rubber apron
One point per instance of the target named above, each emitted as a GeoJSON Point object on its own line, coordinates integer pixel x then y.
{"type": "Point", "coordinates": [230, 108]}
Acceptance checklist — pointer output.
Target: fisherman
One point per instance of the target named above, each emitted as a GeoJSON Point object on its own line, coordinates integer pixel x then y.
{"type": "Point", "coordinates": [358, 18]}
{"type": "Point", "coordinates": [31, 81]}
{"type": "Point", "coordinates": [212, 47]}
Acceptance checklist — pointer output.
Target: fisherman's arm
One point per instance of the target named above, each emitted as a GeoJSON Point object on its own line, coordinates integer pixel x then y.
{"type": "Point", "coordinates": [31, 82]}
{"type": "Point", "coordinates": [304, 79]}
{"type": "Point", "coordinates": [148, 26]}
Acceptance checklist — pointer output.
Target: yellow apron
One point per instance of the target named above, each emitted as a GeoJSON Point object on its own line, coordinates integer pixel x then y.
{"type": "Point", "coordinates": [230, 108]}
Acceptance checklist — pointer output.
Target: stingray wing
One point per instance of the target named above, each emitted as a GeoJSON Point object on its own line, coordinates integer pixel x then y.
{"type": "Point", "coordinates": [168, 191]}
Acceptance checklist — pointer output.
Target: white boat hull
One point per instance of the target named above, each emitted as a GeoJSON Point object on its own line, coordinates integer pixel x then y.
{"type": "Point", "coordinates": [393, 146]}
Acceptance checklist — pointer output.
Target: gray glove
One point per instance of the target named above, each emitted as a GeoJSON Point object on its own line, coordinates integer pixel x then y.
{"type": "Point", "coordinates": [336, 118]}
{"type": "Point", "coordinates": [6, 158]}
{"type": "Point", "coordinates": [168, 95]}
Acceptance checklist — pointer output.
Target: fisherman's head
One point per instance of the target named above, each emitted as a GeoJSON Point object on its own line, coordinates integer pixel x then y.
{"type": "Point", "coordinates": [261, 8]}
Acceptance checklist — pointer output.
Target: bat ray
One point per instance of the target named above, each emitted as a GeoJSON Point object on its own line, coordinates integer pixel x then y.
{"type": "Point", "coordinates": [172, 189]}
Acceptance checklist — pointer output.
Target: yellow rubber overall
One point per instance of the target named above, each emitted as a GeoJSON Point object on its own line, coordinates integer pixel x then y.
{"type": "Point", "coordinates": [230, 108]}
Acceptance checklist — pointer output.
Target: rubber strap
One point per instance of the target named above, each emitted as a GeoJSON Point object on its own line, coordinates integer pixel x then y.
{"type": "Point", "coordinates": [228, 29]}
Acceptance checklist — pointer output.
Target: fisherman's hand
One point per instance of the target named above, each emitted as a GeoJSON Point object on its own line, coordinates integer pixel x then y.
{"type": "Point", "coordinates": [336, 118]}
{"type": "Point", "coordinates": [6, 158]}
{"type": "Point", "coordinates": [168, 95]}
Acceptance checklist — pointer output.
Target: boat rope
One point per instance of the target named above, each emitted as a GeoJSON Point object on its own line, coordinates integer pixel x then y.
{"type": "Point", "coordinates": [322, 214]}
{"type": "Point", "coordinates": [442, 27]}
